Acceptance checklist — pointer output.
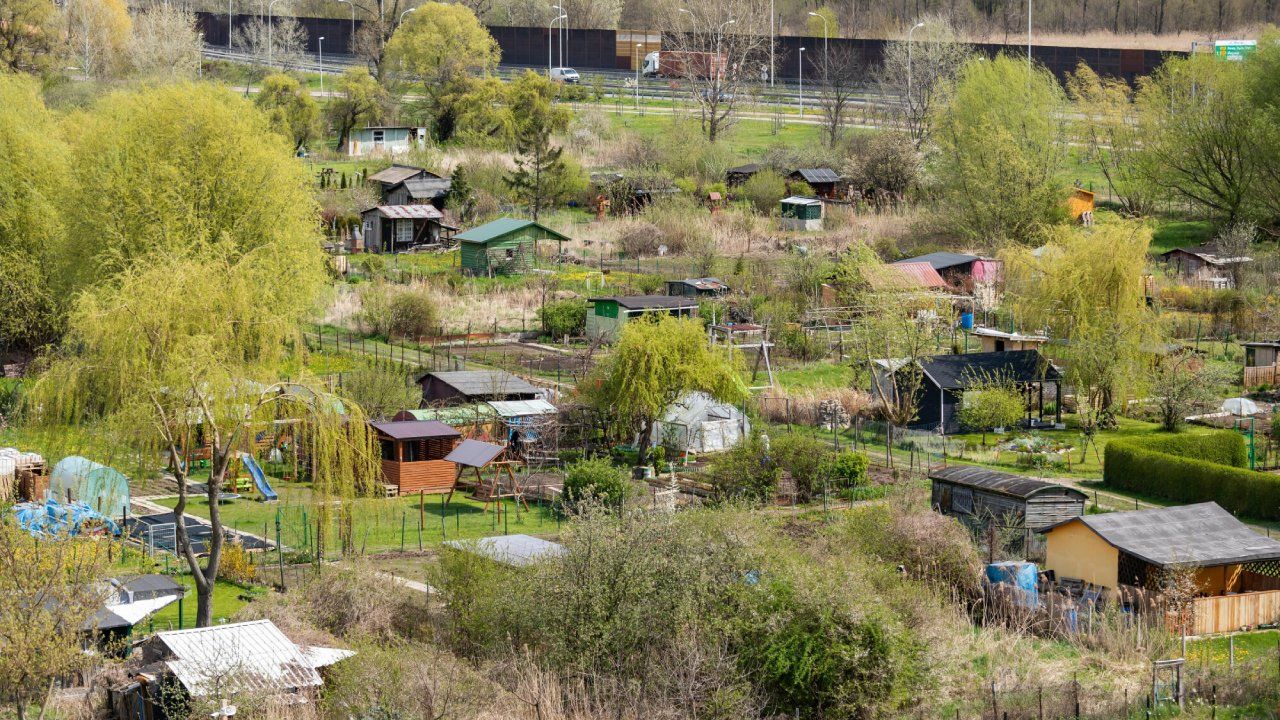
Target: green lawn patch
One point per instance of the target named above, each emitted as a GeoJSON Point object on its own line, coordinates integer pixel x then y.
{"type": "Point", "coordinates": [1250, 646]}
{"type": "Point", "coordinates": [1180, 233]}
{"type": "Point", "coordinates": [815, 376]}
{"type": "Point", "coordinates": [748, 138]}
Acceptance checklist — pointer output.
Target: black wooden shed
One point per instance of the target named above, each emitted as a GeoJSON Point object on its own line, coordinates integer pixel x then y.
{"type": "Point", "coordinates": [980, 496]}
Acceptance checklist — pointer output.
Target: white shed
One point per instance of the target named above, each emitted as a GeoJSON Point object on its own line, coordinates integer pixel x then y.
{"type": "Point", "coordinates": [699, 423]}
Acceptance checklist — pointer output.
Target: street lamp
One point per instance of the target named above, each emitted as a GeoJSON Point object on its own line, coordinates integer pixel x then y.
{"type": "Point", "coordinates": [772, 32]}
{"type": "Point", "coordinates": [549, 26]}
{"type": "Point", "coordinates": [353, 24]}
{"type": "Point", "coordinates": [229, 25]}
{"type": "Point", "coordinates": [270, 26]}
{"type": "Point", "coordinates": [321, 44]}
{"type": "Point", "coordinates": [915, 27]}
{"type": "Point", "coordinates": [564, 15]}
{"type": "Point", "coordinates": [801, 82]}
{"type": "Point", "coordinates": [406, 12]}
{"type": "Point", "coordinates": [717, 62]}
{"type": "Point", "coordinates": [1028, 36]}
{"type": "Point", "coordinates": [825, 59]}
{"type": "Point", "coordinates": [639, 47]}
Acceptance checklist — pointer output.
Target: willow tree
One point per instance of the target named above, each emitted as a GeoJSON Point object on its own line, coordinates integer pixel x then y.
{"type": "Point", "coordinates": [1086, 288]}
{"type": "Point", "coordinates": [177, 346]}
{"type": "Point", "coordinates": [655, 363]}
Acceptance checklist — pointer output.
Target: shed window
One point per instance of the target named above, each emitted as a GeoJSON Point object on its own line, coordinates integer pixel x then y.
{"type": "Point", "coordinates": [962, 500]}
{"type": "Point", "coordinates": [388, 450]}
{"type": "Point", "coordinates": [379, 136]}
{"type": "Point", "coordinates": [511, 253]}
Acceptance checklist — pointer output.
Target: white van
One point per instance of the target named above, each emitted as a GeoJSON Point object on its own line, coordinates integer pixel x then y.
{"type": "Point", "coordinates": [565, 75]}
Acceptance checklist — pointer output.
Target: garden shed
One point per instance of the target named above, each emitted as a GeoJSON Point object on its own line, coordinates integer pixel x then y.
{"type": "Point", "coordinates": [697, 287]}
{"type": "Point", "coordinates": [824, 181]}
{"type": "Point", "coordinates": [413, 456]}
{"type": "Point", "coordinates": [384, 140]}
{"type": "Point", "coordinates": [505, 245]}
{"type": "Point", "coordinates": [801, 213]}
{"type": "Point", "coordinates": [427, 188]}
{"type": "Point", "coordinates": [460, 387]}
{"type": "Point", "coordinates": [609, 314]}
{"type": "Point", "coordinates": [389, 177]}
{"type": "Point", "coordinates": [699, 423]}
{"type": "Point", "coordinates": [979, 496]}
{"type": "Point", "coordinates": [736, 176]}
{"type": "Point", "coordinates": [397, 228]}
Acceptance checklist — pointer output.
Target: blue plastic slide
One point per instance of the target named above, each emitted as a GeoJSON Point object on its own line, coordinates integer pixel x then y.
{"type": "Point", "coordinates": [259, 478]}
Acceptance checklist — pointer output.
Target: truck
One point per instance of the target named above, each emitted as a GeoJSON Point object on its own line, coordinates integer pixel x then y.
{"type": "Point", "coordinates": [681, 63]}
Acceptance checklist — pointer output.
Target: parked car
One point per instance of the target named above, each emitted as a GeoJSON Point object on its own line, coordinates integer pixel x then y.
{"type": "Point", "coordinates": [565, 75]}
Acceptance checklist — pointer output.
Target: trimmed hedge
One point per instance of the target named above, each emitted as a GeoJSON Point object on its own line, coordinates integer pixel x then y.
{"type": "Point", "coordinates": [1194, 468]}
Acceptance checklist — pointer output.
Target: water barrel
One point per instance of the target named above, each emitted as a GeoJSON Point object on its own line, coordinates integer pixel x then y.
{"type": "Point", "coordinates": [966, 321]}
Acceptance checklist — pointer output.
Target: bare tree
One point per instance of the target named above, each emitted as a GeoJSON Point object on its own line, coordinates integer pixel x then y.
{"type": "Point", "coordinates": [841, 73]}
{"type": "Point", "coordinates": [165, 42]}
{"type": "Point", "coordinates": [721, 47]}
{"type": "Point", "coordinates": [1234, 243]}
{"type": "Point", "coordinates": [917, 68]}
{"type": "Point", "coordinates": [1183, 383]}
{"type": "Point", "coordinates": [282, 46]}
{"type": "Point", "coordinates": [381, 18]}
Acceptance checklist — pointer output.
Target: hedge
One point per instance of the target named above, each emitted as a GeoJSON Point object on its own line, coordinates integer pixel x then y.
{"type": "Point", "coordinates": [1193, 468]}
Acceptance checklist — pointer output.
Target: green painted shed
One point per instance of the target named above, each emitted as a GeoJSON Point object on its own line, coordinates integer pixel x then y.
{"type": "Point", "coordinates": [506, 245]}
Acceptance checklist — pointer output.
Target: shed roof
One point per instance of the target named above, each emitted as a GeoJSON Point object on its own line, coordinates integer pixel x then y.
{"type": "Point", "coordinates": [1262, 343]}
{"type": "Point", "coordinates": [116, 615]}
{"type": "Point", "coordinates": [522, 408]}
{"type": "Point", "coordinates": [502, 227]}
{"type": "Point", "coordinates": [941, 260]}
{"type": "Point", "coordinates": [1209, 253]}
{"type": "Point", "coordinates": [801, 200]}
{"type": "Point", "coordinates": [482, 382]}
{"type": "Point", "coordinates": [249, 656]}
{"type": "Point", "coordinates": [414, 429]}
{"type": "Point", "coordinates": [478, 412]}
{"type": "Point", "coordinates": [748, 169]}
{"type": "Point", "coordinates": [413, 212]}
{"type": "Point", "coordinates": [906, 276]}
{"type": "Point", "coordinates": [1020, 487]}
{"type": "Point", "coordinates": [650, 302]}
{"type": "Point", "coordinates": [474, 453]}
{"type": "Point", "coordinates": [397, 174]}
{"type": "Point", "coordinates": [705, 283]}
{"type": "Point", "coordinates": [515, 550]}
{"type": "Point", "coordinates": [1023, 337]}
{"type": "Point", "coordinates": [151, 583]}
{"type": "Point", "coordinates": [427, 188]}
{"type": "Point", "coordinates": [1202, 535]}
{"type": "Point", "coordinates": [818, 175]}
{"type": "Point", "coordinates": [956, 372]}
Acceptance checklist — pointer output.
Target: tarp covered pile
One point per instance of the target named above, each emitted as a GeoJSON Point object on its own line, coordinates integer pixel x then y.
{"type": "Point", "coordinates": [52, 518]}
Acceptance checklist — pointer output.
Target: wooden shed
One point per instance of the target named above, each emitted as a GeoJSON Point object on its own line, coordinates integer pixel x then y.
{"type": "Point", "coordinates": [980, 496]}
{"type": "Point", "coordinates": [413, 456]}
{"type": "Point", "coordinates": [464, 387]}
{"type": "Point", "coordinates": [505, 245]}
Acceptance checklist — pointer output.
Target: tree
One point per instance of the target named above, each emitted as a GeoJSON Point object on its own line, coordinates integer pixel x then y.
{"type": "Point", "coordinates": [179, 343]}
{"type": "Point", "coordinates": [34, 165]}
{"type": "Point", "coordinates": [539, 166]}
{"type": "Point", "coordinates": [1110, 127]}
{"type": "Point", "coordinates": [1183, 382]}
{"type": "Point", "coordinates": [439, 46]}
{"type": "Point", "coordinates": [358, 98]}
{"type": "Point", "coordinates": [883, 167]}
{"type": "Point", "coordinates": [656, 363]}
{"type": "Point", "coordinates": [747, 471]}
{"type": "Point", "coordinates": [1235, 242]}
{"type": "Point", "coordinates": [1000, 149]}
{"type": "Point", "coordinates": [991, 403]}
{"type": "Point", "coordinates": [461, 197]}
{"type": "Point", "coordinates": [50, 592]}
{"type": "Point", "coordinates": [165, 42]}
{"type": "Point", "coordinates": [289, 107]}
{"type": "Point", "coordinates": [380, 391]}
{"type": "Point", "coordinates": [735, 35]}
{"type": "Point", "coordinates": [841, 75]}
{"type": "Point", "coordinates": [30, 36]}
{"type": "Point", "coordinates": [1200, 143]}
{"type": "Point", "coordinates": [595, 480]}
{"type": "Point", "coordinates": [381, 19]}
{"type": "Point", "coordinates": [1086, 289]}
{"type": "Point", "coordinates": [97, 35]}
{"type": "Point", "coordinates": [764, 190]}
{"type": "Point", "coordinates": [928, 64]}
{"type": "Point", "coordinates": [281, 44]}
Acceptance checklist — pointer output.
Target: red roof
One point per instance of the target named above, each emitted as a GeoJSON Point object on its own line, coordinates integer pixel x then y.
{"type": "Point", "coordinates": [919, 274]}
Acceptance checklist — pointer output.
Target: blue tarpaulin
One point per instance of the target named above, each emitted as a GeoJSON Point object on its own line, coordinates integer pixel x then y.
{"type": "Point", "coordinates": [1023, 576]}
{"type": "Point", "coordinates": [52, 518]}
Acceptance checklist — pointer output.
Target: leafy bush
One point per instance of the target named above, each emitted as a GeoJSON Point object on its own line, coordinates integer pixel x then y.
{"type": "Point", "coordinates": [1193, 468]}
{"type": "Point", "coordinates": [806, 458]}
{"type": "Point", "coordinates": [764, 191]}
{"type": "Point", "coordinates": [744, 472]}
{"type": "Point", "coordinates": [848, 468]}
{"type": "Point", "coordinates": [595, 479]}
{"type": "Point", "coordinates": [563, 318]}
{"type": "Point", "coordinates": [397, 312]}
{"type": "Point", "coordinates": [799, 344]}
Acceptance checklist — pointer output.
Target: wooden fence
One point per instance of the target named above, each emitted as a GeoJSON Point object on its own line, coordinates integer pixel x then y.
{"type": "Point", "coordinates": [1228, 613]}
{"type": "Point", "coordinates": [1264, 375]}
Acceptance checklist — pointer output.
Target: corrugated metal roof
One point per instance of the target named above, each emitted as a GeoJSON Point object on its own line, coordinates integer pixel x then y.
{"type": "Point", "coordinates": [650, 302]}
{"type": "Point", "coordinates": [941, 260]}
{"type": "Point", "coordinates": [956, 372]}
{"type": "Point", "coordinates": [396, 174]}
{"type": "Point", "coordinates": [412, 429]}
{"type": "Point", "coordinates": [818, 175]}
{"type": "Point", "coordinates": [1202, 535]}
{"type": "Point", "coordinates": [248, 656]}
{"type": "Point", "coordinates": [514, 550]}
{"type": "Point", "coordinates": [801, 200]}
{"type": "Point", "coordinates": [906, 276]}
{"type": "Point", "coordinates": [483, 383]}
{"type": "Point", "coordinates": [474, 453]}
{"type": "Point", "coordinates": [502, 227]}
{"type": "Point", "coordinates": [1015, 486]}
{"type": "Point", "coordinates": [450, 415]}
{"type": "Point", "coordinates": [409, 212]}
{"type": "Point", "coordinates": [522, 408]}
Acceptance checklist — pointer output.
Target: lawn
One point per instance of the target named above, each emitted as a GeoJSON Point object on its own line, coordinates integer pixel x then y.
{"type": "Point", "coordinates": [380, 524]}
{"type": "Point", "coordinates": [748, 138]}
{"type": "Point", "coordinates": [815, 376]}
{"type": "Point", "coordinates": [1179, 233]}
{"type": "Point", "coordinates": [1250, 646]}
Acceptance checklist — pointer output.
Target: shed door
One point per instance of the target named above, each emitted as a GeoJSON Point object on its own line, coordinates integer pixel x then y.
{"type": "Point", "coordinates": [404, 232]}
{"type": "Point", "coordinates": [962, 500]}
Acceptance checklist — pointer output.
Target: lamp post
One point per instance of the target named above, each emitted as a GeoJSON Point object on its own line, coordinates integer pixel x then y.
{"type": "Point", "coordinates": [910, 32]}
{"type": "Point", "coordinates": [825, 59]}
{"type": "Point", "coordinates": [549, 26]}
{"type": "Point", "coordinates": [564, 15]}
{"type": "Point", "coordinates": [270, 26]}
{"type": "Point", "coordinates": [802, 82]}
{"type": "Point", "coordinates": [1028, 36]}
{"type": "Point", "coordinates": [772, 32]}
{"type": "Point", "coordinates": [321, 44]}
{"type": "Point", "coordinates": [406, 12]}
{"type": "Point", "coordinates": [353, 24]}
{"type": "Point", "coordinates": [718, 62]}
{"type": "Point", "coordinates": [228, 25]}
{"type": "Point", "coordinates": [639, 47]}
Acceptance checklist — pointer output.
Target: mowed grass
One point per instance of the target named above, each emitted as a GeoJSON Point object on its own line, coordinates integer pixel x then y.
{"type": "Point", "coordinates": [815, 376]}
{"type": "Point", "coordinates": [1180, 233]}
{"type": "Point", "coordinates": [379, 524]}
{"type": "Point", "coordinates": [747, 138]}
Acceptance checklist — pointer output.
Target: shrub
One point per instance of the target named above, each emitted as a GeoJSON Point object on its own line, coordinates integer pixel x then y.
{"type": "Point", "coordinates": [744, 472]}
{"type": "Point", "coordinates": [764, 190]}
{"type": "Point", "coordinates": [1193, 468]}
{"type": "Point", "coordinates": [799, 344]}
{"type": "Point", "coordinates": [412, 314]}
{"type": "Point", "coordinates": [563, 318]}
{"type": "Point", "coordinates": [848, 468]}
{"type": "Point", "coordinates": [806, 458]}
{"type": "Point", "coordinates": [237, 565]}
{"type": "Point", "coordinates": [595, 479]}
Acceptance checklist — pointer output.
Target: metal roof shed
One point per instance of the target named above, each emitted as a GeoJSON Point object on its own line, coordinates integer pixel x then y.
{"type": "Point", "coordinates": [979, 496]}
{"type": "Point", "coordinates": [468, 386]}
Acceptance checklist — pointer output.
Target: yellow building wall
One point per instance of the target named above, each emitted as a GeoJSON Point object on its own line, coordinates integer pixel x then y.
{"type": "Point", "coordinates": [1075, 551]}
{"type": "Point", "coordinates": [1219, 580]}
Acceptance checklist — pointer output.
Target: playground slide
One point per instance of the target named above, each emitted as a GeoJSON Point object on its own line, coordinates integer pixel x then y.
{"type": "Point", "coordinates": [259, 478]}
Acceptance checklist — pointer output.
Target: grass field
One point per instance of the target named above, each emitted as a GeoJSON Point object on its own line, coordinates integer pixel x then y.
{"type": "Point", "coordinates": [1179, 233]}
{"type": "Point", "coordinates": [749, 138]}
{"type": "Point", "coordinates": [815, 376]}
